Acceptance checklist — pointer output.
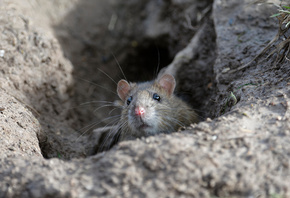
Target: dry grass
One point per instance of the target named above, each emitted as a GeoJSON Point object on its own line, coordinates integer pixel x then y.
{"type": "Point", "coordinates": [281, 42]}
{"type": "Point", "coordinates": [282, 49]}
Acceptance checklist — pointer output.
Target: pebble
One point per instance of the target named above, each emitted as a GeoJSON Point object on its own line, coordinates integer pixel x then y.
{"type": "Point", "coordinates": [2, 53]}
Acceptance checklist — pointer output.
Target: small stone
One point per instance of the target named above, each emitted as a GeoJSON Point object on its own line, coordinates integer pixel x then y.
{"type": "Point", "coordinates": [208, 120]}
{"type": "Point", "coordinates": [225, 70]}
{"type": "Point", "coordinates": [2, 53]}
{"type": "Point", "coordinates": [214, 137]}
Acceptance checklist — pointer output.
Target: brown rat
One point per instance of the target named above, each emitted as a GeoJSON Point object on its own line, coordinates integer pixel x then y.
{"type": "Point", "coordinates": [150, 108]}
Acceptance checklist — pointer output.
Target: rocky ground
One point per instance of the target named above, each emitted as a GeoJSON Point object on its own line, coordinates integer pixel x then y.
{"type": "Point", "coordinates": [54, 57]}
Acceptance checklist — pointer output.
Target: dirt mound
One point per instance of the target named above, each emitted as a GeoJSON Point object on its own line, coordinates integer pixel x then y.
{"type": "Point", "coordinates": [54, 56]}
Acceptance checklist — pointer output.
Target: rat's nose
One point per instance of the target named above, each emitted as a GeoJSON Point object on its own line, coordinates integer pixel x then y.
{"type": "Point", "coordinates": [139, 111]}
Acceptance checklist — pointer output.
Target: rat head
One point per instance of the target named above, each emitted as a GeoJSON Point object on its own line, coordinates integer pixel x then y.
{"type": "Point", "coordinates": [146, 105]}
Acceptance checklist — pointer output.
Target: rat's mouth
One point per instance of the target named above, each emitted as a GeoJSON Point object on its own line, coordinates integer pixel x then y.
{"type": "Point", "coordinates": [141, 124]}
{"type": "Point", "coordinates": [144, 126]}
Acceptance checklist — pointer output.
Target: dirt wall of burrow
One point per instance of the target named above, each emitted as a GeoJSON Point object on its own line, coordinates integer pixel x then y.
{"type": "Point", "coordinates": [55, 58]}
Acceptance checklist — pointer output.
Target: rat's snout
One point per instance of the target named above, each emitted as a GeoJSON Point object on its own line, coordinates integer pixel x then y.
{"type": "Point", "coordinates": [139, 111]}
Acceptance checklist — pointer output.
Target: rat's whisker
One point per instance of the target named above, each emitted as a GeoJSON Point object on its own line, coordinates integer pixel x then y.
{"type": "Point", "coordinates": [103, 143]}
{"type": "Point", "coordinates": [119, 66]}
{"type": "Point", "coordinates": [97, 101]}
{"type": "Point", "coordinates": [177, 122]}
{"type": "Point", "coordinates": [89, 104]}
{"type": "Point", "coordinates": [107, 75]}
{"type": "Point", "coordinates": [109, 105]}
{"type": "Point", "coordinates": [158, 64]}
{"type": "Point", "coordinates": [113, 135]}
{"type": "Point", "coordinates": [90, 126]}
{"type": "Point", "coordinates": [114, 110]}
{"type": "Point", "coordinates": [98, 85]}
{"type": "Point", "coordinates": [107, 137]}
{"type": "Point", "coordinates": [168, 128]}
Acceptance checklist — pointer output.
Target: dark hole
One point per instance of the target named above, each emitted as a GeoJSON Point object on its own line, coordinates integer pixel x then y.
{"type": "Point", "coordinates": [144, 62]}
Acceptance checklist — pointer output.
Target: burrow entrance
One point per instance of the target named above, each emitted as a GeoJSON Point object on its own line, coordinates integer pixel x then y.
{"type": "Point", "coordinates": [95, 51]}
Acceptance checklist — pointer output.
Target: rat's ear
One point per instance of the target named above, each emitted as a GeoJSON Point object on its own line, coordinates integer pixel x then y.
{"type": "Point", "coordinates": [123, 89]}
{"type": "Point", "coordinates": [168, 83]}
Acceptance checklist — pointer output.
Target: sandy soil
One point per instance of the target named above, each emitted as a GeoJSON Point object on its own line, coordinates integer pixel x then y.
{"type": "Point", "coordinates": [53, 56]}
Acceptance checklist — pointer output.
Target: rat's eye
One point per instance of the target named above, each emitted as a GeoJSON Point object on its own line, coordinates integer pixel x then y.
{"type": "Point", "coordinates": [156, 97]}
{"type": "Point", "coordinates": [129, 100]}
